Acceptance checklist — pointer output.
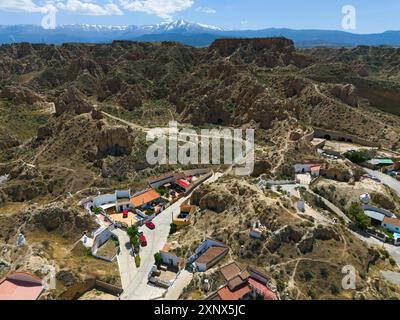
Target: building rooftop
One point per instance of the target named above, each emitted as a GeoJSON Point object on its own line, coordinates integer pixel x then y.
{"type": "Point", "coordinates": [381, 162]}
{"type": "Point", "coordinates": [230, 270]}
{"type": "Point", "coordinates": [226, 294]}
{"type": "Point", "coordinates": [145, 197]}
{"type": "Point", "coordinates": [20, 286]}
{"type": "Point", "coordinates": [212, 254]}
{"type": "Point", "coordinates": [392, 221]}
{"type": "Point", "coordinates": [374, 215]}
{"type": "Point", "coordinates": [263, 289]}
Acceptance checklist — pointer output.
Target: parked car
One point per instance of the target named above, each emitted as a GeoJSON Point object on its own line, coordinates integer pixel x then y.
{"type": "Point", "coordinates": [150, 225]}
{"type": "Point", "coordinates": [143, 240]}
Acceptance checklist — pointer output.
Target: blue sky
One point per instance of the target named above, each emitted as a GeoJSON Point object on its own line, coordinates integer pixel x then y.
{"type": "Point", "coordinates": [372, 15]}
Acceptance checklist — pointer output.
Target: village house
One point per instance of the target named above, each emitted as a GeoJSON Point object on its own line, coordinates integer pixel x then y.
{"type": "Point", "coordinates": [166, 273]}
{"type": "Point", "coordinates": [244, 283]}
{"type": "Point", "coordinates": [185, 214]}
{"type": "Point", "coordinates": [391, 224]}
{"type": "Point", "coordinates": [208, 254]}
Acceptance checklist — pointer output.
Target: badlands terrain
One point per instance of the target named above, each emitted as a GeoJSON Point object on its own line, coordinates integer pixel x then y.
{"type": "Point", "coordinates": [73, 120]}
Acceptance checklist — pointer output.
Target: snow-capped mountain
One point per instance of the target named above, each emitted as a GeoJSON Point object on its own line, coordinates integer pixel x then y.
{"type": "Point", "coordinates": [181, 26]}
{"type": "Point", "coordinates": [190, 33]}
{"type": "Point", "coordinates": [177, 26]}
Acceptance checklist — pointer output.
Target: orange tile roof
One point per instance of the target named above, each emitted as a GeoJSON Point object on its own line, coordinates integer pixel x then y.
{"type": "Point", "coordinates": [226, 294]}
{"type": "Point", "coordinates": [211, 255]}
{"type": "Point", "coordinates": [392, 221]}
{"type": "Point", "coordinates": [145, 197]}
{"type": "Point", "coordinates": [230, 270]}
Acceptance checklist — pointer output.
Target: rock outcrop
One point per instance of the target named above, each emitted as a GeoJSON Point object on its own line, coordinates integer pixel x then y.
{"type": "Point", "coordinates": [20, 95]}
{"type": "Point", "coordinates": [347, 93]}
{"type": "Point", "coordinates": [72, 100]}
{"type": "Point", "coordinates": [114, 141]}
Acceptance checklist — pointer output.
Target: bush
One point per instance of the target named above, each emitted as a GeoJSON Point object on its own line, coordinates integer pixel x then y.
{"type": "Point", "coordinates": [358, 157]}
{"type": "Point", "coordinates": [157, 258]}
{"type": "Point", "coordinates": [334, 289]}
{"type": "Point", "coordinates": [280, 285]}
{"type": "Point", "coordinates": [173, 228]}
{"type": "Point", "coordinates": [137, 261]}
{"type": "Point", "coordinates": [307, 275]}
{"type": "Point", "coordinates": [96, 210]}
{"type": "Point", "coordinates": [324, 272]}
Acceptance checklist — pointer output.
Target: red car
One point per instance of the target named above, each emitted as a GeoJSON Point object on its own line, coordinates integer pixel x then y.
{"type": "Point", "coordinates": [150, 225]}
{"type": "Point", "coordinates": [143, 241]}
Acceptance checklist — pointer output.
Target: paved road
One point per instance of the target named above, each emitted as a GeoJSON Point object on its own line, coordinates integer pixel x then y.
{"type": "Point", "coordinates": [387, 180]}
{"type": "Point", "coordinates": [138, 287]}
{"type": "Point", "coordinates": [126, 261]}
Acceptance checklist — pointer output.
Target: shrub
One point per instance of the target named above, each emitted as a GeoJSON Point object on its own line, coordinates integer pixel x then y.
{"type": "Point", "coordinates": [357, 157]}
{"type": "Point", "coordinates": [334, 289]}
{"type": "Point", "coordinates": [96, 210]}
{"type": "Point", "coordinates": [137, 261]}
{"type": "Point", "coordinates": [307, 275]}
{"type": "Point", "coordinates": [173, 228]}
{"type": "Point", "coordinates": [324, 272]}
{"type": "Point", "coordinates": [157, 258]}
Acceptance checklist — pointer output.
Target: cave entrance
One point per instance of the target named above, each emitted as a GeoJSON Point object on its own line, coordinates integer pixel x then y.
{"type": "Point", "coordinates": [327, 137]}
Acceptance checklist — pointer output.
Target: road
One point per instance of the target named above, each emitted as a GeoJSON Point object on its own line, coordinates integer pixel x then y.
{"type": "Point", "coordinates": [387, 180]}
{"type": "Point", "coordinates": [138, 287]}
{"type": "Point", "coordinates": [126, 261]}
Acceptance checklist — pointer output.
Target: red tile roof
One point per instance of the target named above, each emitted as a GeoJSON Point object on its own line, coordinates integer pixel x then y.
{"type": "Point", "coordinates": [226, 294]}
{"type": "Point", "coordinates": [183, 183]}
{"type": "Point", "coordinates": [263, 289]}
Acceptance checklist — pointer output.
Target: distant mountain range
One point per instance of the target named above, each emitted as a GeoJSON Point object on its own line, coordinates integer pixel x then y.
{"type": "Point", "coordinates": [189, 33]}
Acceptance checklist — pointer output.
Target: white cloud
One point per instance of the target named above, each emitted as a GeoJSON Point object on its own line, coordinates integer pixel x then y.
{"type": "Point", "coordinates": [162, 8]}
{"type": "Point", "coordinates": [22, 6]}
{"type": "Point", "coordinates": [206, 10]}
{"type": "Point", "coordinates": [89, 8]}
{"type": "Point", "coordinates": [85, 7]}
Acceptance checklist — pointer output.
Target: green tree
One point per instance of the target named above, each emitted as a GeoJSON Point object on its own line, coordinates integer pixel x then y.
{"type": "Point", "coordinates": [133, 231]}
{"type": "Point", "coordinates": [157, 258]}
{"type": "Point", "coordinates": [356, 214]}
{"type": "Point", "coordinates": [358, 156]}
{"type": "Point", "coordinates": [135, 241]}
